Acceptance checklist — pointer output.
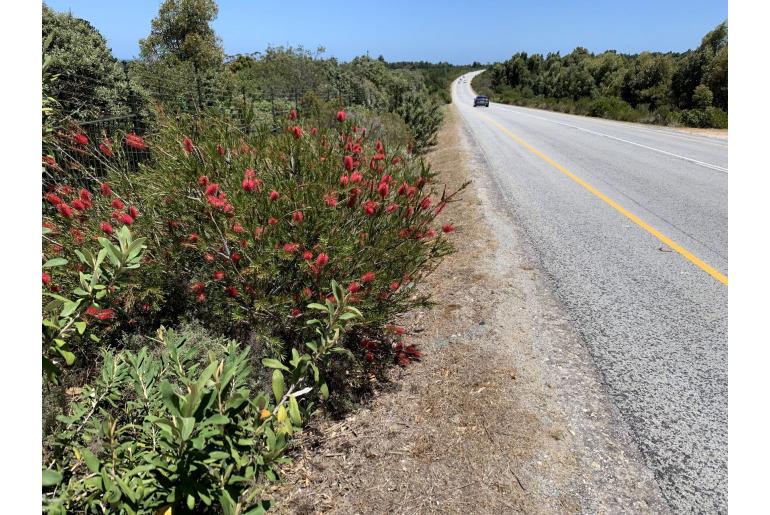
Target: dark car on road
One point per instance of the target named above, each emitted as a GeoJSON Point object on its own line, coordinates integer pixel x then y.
{"type": "Point", "coordinates": [481, 100]}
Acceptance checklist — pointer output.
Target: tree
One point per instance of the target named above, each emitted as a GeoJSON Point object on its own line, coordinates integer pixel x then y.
{"type": "Point", "coordinates": [182, 32]}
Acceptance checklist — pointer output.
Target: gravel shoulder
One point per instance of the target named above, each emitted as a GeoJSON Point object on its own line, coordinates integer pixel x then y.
{"type": "Point", "coordinates": [506, 412]}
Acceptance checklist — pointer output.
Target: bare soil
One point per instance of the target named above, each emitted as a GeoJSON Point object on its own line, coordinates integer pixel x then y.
{"type": "Point", "coordinates": [505, 413]}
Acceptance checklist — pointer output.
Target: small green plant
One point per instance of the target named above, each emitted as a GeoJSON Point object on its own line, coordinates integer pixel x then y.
{"type": "Point", "coordinates": [64, 318]}
{"type": "Point", "coordinates": [157, 431]}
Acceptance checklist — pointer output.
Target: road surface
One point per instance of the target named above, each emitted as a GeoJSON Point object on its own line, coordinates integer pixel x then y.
{"type": "Point", "coordinates": [629, 223]}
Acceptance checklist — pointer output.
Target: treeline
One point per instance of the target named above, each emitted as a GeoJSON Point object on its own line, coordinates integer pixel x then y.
{"type": "Point", "coordinates": [688, 88]}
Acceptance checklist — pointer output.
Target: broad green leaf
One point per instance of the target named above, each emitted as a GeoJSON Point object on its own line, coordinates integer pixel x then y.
{"type": "Point", "coordinates": [324, 391]}
{"type": "Point", "coordinates": [274, 363]}
{"type": "Point", "coordinates": [90, 459]}
{"type": "Point", "coordinates": [278, 385]}
{"type": "Point", "coordinates": [55, 262]}
{"type": "Point", "coordinates": [294, 414]}
{"type": "Point", "coordinates": [51, 477]}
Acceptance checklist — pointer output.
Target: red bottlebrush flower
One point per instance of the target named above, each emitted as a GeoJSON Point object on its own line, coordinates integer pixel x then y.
{"type": "Point", "coordinates": [404, 233]}
{"type": "Point", "coordinates": [290, 247]}
{"type": "Point", "coordinates": [341, 116]}
{"type": "Point", "coordinates": [322, 259]}
{"type": "Point", "coordinates": [293, 114]}
{"type": "Point", "coordinates": [297, 216]}
{"type": "Point", "coordinates": [297, 131]}
{"type": "Point", "coordinates": [391, 208]}
{"type": "Point", "coordinates": [231, 291]}
{"type": "Point", "coordinates": [188, 145]}
{"type": "Point", "coordinates": [126, 219]}
{"type": "Point", "coordinates": [46, 278]}
{"type": "Point", "coordinates": [105, 227]}
{"type": "Point", "coordinates": [238, 228]}
{"type": "Point", "coordinates": [135, 141]}
{"type": "Point", "coordinates": [203, 180]}
{"type": "Point", "coordinates": [207, 257]}
{"type": "Point", "coordinates": [77, 235]}
{"type": "Point", "coordinates": [81, 139]}
{"type": "Point", "coordinates": [367, 277]}
{"type": "Point", "coordinates": [314, 130]}
{"type": "Point", "coordinates": [295, 312]}
{"type": "Point", "coordinates": [395, 329]}
{"type": "Point", "coordinates": [85, 196]}
{"type": "Point", "coordinates": [394, 286]}
{"type": "Point", "coordinates": [379, 146]}
{"type": "Point", "coordinates": [409, 211]}
{"type": "Point", "coordinates": [134, 212]}
{"type": "Point", "coordinates": [212, 188]}
{"type": "Point", "coordinates": [64, 209]}
{"type": "Point", "coordinates": [220, 150]}
{"type": "Point", "coordinates": [106, 190]}
{"type": "Point", "coordinates": [105, 314]}
{"type": "Point", "coordinates": [347, 161]}
{"type": "Point", "coordinates": [370, 207]}
{"type": "Point", "coordinates": [272, 221]}
{"type": "Point", "coordinates": [274, 196]}
{"type": "Point", "coordinates": [426, 202]}
{"type": "Point", "coordinates": [258, 232]}
{"type": "Point", "coordinates": [395, 160]}
{"type": "Point", "coordinates": [356, 177]}
{"type": "Point", "coordinates": [53, 199]}
{"type": "Point", "coordinates": [344, 180]}
{"type": "Point", "coordinates": [92, 310]}
{"type": "Point", "coordinates": [356, 148]}
{"type": "Point", "coordinates": [117, 203]}
{"type": "Point", "coordinates": [354, 287]}
{"type": "Point", "coordinates": [383, 189]}
{"type": "Point", "coordinates": [201, 297]}
{"type": "Point", "coordinates": [198, 287]}
{"type": "Point", "coordinates": [369, 356]}
{"type": "Point", "coordinates": [49, 161]}
{"type": "Point", "coordinates": [193, 237]}
{"type": "Point", "coordinates": [235, 257]}
{"type": "Point", "coordinates": [322, 159]}
{"type": "Point", "coordinates": [78, 204]}
{"type": "Point", "coordinates": [430, 234]}
{"type": "Point", "coordinates": [447, 228]}
{"type": "Point", "coordinates": [172, 224]}
{"type": "Point", "coordinates": [330, 200]}
{"type": "Point", "coordinates": [307, 255]}
{"type": "Point", "coordinates": [105, 148]}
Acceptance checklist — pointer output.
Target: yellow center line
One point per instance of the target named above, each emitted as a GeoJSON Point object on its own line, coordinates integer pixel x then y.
{"type": "Point", "coordinates": [689, 256]}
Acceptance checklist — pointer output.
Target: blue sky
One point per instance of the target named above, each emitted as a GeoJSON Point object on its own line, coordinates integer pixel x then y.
{"type": "Point", "coordinates": [436, 30]}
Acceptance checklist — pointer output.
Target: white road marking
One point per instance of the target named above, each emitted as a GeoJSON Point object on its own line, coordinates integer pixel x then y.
{"type": "Point", "coordinates": [685, 158]}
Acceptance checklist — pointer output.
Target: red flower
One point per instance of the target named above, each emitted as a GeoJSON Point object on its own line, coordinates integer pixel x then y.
{"type": "Point", "coordinates": [231, 291]}
{"type": "Point", "coordinates": [348, 162]}
{"type": "Point", "coordinates": [295, 312]}
{"type": "Point", "coordinates": [46, 278]}
{"type": "Point", "coordinates": [105, 314]}
{"type": "Point", "coordinates": [426, 202]}
{"type": "Point", "coordinates": [297, 131]}
{"type": "Point", "coordinates": [92, 310]}
{"type": "Point", "coordinates": [78, 204]}
{"type": "Point", "coordinates": [258, 232]}
{"type": "Point", "coordinates": [370, 207]}
{"type": "Point", "coordinates": [134, 141]}
{"type": "Point", "coordinates": [203, 180]}
{"type": "Point", "coordinates": [117, 203]}
{"type": "Point", "coordinates": [81, 139]}
{"type": "Point", "coordinates": [322, 259]}
{"type": "Point", "coordinates": [394, 286]}
{"type": "Point", "coordinates": [356, 177]}
{"type": "Point", "coordinates": [354, 287]}
{"type": "Point", "coordinates": [395, 329]}
{"type": "Point", "coordinates": [201, 297]}
{"type": "Point", "coordinates": [208, 257]}
{"type": "Point", "coordinates": [272, 221]}
{"type": "Point", "coordinates": [106, 190]}
{"type": "Point", "coordinates": [53, 199]}
{"type": "Point", "coordinates": [220, 150]}
{"type": "Point", "coordinates": [293, 114]}
{"type": "Point", "coordinates": [314, 130]}
{"type": "Point", "coordinates": [447, 228]}
{"type": "Point", "coordinates": [238, 228]}
{"type": "Point", "coordinates": [249, 185]}
{"type": "Point", "coordinates": [49, 161]}
{"type": "Point", "coordinates": [367, 277]}
{"type": "Point", "coordinates": [341, 116]}
{"type": "Point", "coordinates": [235, 256]}
{"type": "Point", "coordinates": [383, 189]}
{"type": "Point", "coordinates": [421, 182]}
{"type": "Point", "coordinates": [297, 216]}
{"type": "Point", "coordinates": [274, 195]}
{"type": "Point", "coordinates": [198, 287]}
{"type": "Point", "coordinates": [391, 208]}
{"type": "Point", "coordinates": [395, 160]}
{"type": "Point", "coordinates": [430, 234]}
{"type": "Point", "coordinates": [344, 180]}
{"type": "Point", "coordinates": [105, 148]}
{"type": "Point", "coordinates": [193, 237]}
{"type": "Point", "coordinates": [291, 247]}
{"type": "Point", "coordinates": [126, 219]}
{"type": "Point", "coordinates": [379, 146]}
{"type": "Point", "coordinates": [212, 188]}
{"type": "Point", "coordinates": [134, 212]}
{"type": "Point", "coordinates": [85, 196]}
{"type": "Point", "coordinates": [188, 145]}
{"type": "Point", "coordinates": [106, 227]}
{"type": "Point", "coordinates": [404, 233]}
{"type": "Point", "coordinates": [307, 255]}
{"type": "Point", "coordinates": [64, 209]}
{"type": "Point", "coordinates": [369, 356]}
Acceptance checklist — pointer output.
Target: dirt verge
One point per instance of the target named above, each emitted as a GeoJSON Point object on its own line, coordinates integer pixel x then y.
{"type": "Point", "coordinates": [504, 414]}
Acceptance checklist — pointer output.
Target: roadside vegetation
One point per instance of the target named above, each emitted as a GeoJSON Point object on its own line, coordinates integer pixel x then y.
{"type": "Point", "coordinates": [225, 255]}
{"type": "Point", "coordinates": [687, 88]}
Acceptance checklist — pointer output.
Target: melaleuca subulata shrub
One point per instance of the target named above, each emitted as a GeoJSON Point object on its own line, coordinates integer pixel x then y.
{"type": "Point", "coordinates": [256, 225]}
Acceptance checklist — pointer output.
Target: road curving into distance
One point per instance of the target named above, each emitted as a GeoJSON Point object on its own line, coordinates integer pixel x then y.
{"type": "Point", "coordinates": [629, 223]}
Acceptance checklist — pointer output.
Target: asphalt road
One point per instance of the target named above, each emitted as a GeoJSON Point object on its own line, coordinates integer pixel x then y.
{"type": "Point", "coordinates": [629, 223]}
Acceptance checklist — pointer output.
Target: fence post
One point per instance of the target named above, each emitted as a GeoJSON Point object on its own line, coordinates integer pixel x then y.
{"type": "Point", "coordinates": [132, 103]}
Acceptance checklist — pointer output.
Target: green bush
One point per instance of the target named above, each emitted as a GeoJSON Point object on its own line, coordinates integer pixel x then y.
{"type": "Point", "coordinates": [178, 427]}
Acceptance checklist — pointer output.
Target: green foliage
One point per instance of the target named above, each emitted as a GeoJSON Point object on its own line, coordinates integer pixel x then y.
{"type": "Point", "coordinates": [159, 430]}
{"type": "Point", "coordinates": [90, 81]}
{"type": "Point", "coordinates": [66, 320]}
{"type": "Point", "coordinates": [648, 87]}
